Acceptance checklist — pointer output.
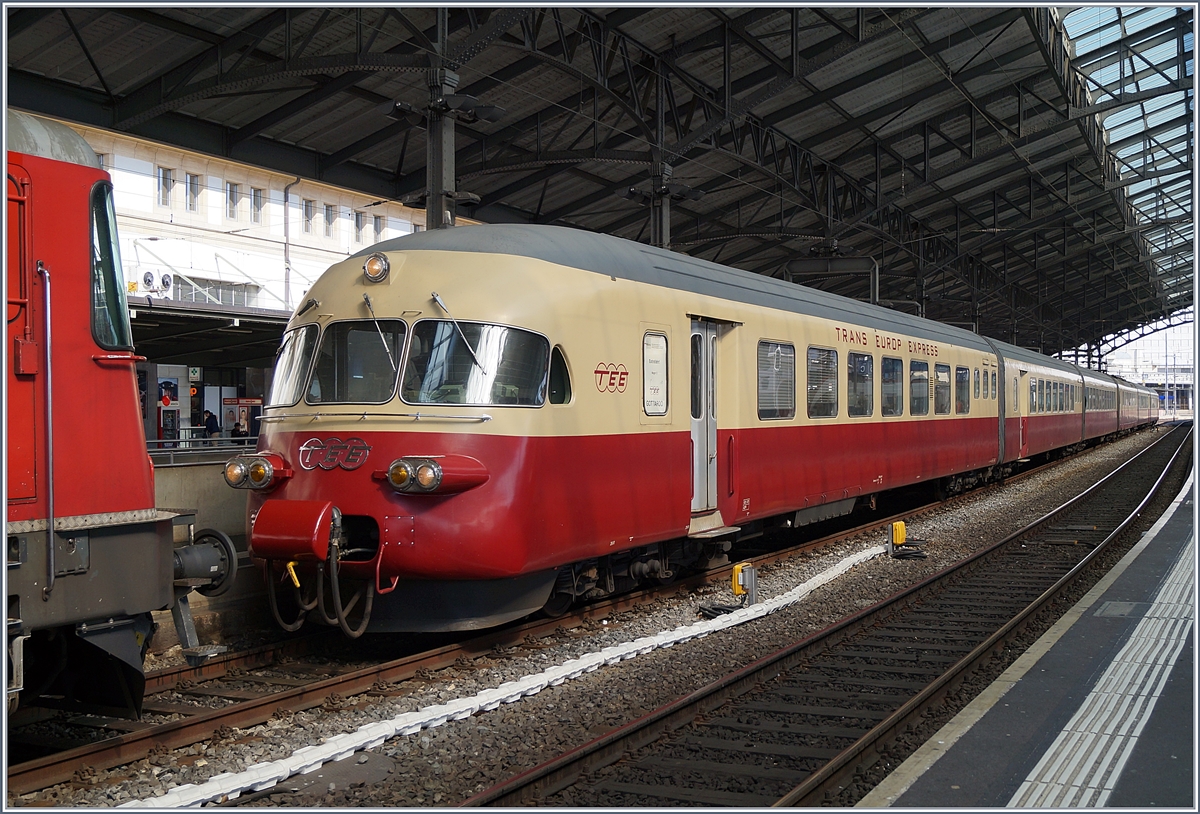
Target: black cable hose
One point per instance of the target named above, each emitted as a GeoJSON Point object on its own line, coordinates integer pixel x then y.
{"type": "Point", "coordinates": [713, 611]}
{"type": "Point", "coordinates": [274, 602]}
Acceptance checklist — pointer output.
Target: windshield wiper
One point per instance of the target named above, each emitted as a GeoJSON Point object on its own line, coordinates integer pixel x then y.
{"type": "Point", "coordinates": [386, 347]}
{"type": "Point", "coordinates": [470, 350]}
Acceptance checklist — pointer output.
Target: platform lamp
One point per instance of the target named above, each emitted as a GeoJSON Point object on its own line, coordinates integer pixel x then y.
{"type": "Point", "coordinates": [439, 198]}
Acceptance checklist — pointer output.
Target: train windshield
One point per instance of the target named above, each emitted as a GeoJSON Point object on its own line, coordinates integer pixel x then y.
{"type": "Point", "coordinates": [291, 366]}
{"type": "Point", "coordinates": [358, 362]}
{"type": "Point", "coordinates": [110, 315]}
{"type": "Point", "coordinates": [509, 365]}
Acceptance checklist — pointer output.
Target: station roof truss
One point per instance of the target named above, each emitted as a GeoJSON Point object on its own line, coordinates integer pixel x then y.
{"type": "Point", "coordinates": [1024, 171]}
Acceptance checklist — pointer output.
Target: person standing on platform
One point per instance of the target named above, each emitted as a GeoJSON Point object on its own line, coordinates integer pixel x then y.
{"type": "Point", "coordinates": [211, 428]}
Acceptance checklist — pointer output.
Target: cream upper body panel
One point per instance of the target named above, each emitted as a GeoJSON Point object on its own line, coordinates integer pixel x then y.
{"type": "Point", "coordinates": [599, 322]}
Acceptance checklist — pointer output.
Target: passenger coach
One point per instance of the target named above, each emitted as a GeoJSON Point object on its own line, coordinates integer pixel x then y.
{"type": "Point", "coordinates": [469, 425]}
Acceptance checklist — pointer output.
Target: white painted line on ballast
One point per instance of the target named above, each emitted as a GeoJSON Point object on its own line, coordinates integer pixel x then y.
{"type": "Point", "coordinates": [262, 776]}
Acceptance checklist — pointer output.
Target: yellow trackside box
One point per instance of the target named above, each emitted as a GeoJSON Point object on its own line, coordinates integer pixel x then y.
{"type": "Point", "coordinates": [899, 533]}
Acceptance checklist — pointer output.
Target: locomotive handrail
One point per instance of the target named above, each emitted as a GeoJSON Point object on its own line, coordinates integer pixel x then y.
{"type": "Point", "coordinates": [364, 415]}
{"type": "Point", "coordinates": [117, 357]}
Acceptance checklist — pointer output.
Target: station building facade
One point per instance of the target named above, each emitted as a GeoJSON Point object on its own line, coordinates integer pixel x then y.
{"type": "Point", "coordinates": [225, 236]}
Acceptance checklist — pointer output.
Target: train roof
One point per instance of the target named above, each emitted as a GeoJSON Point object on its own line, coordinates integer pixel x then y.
{"type": "Point", "coordinates": [625, 259]}
{"type": "Point", "coordinates": [46, 138]}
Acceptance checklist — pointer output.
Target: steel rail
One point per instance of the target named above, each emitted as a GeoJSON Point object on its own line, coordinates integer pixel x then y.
{"type": "Point", "coordinates": [555, 775]}
{"type": "Point", "coordinates": [126, 747]}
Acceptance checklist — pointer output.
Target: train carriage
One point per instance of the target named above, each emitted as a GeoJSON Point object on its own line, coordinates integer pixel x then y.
{"type": "Point", "coordinates": [89, 556]}
{"type": "Point", "coordinates": [468, 425]}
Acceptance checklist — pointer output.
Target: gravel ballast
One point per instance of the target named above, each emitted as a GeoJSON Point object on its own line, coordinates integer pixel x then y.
{"type": "Point", "coordinates": [449, 763]}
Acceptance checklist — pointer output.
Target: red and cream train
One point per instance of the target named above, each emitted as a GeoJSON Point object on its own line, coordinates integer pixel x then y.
{"type": "Point", "coordinates": [468, 425]}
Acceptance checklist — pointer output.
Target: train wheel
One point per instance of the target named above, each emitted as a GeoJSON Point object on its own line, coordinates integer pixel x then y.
{"type": "Point", "coordinates": [557, 605]}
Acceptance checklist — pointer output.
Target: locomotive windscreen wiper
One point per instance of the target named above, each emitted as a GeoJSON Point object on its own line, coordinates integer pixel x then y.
{"type": "Point", "coordinates": [466, 342]}
{"type": "Point", "coordinates": [382, 338]}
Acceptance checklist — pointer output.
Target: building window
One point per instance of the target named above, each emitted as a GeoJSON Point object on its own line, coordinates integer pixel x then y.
{"type": "Point", "coordinates": [918, 388]}
{"type": "Point", "coordinates": [941, 389]}
{"type": "Point", "coordinates": [330, 217]}
{"type": "Point", "coordinates": [860, 381]}
{"type": "Point", "coordinates": [166, 182]}
{"type": "Point", "coordinates": [892, 380]}
{"type": "Point", "coordinates": [378, 228]}
{"type": "Point", "coordinates": [360, 223]}
{"type": "Point", "coordinates": [232, 196]}
{"type": "Point", "coordinates": [256, 205]}
{"type": "Point", "coordinates": [310, 210]}
{"type": "Point", "coordinates": [213, 292]}
{"type": "Point", "coordinates": [822, 383]}
{"type": "Point", "coordinates": [193, 193]}
{"type": "Point", "coordinates": [776, 380]}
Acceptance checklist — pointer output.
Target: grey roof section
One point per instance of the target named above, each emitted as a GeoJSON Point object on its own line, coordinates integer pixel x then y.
{"type": "Point", "coordinates": [617, 257]}
{"type": "Point", "coordinates": [44, 138]}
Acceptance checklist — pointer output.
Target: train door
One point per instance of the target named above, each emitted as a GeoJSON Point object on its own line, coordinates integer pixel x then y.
{"type": "Point", "coordinates": [25, 361]}
{"type": "Point", "coordinates": [1024, 421]}
{"type": "Point", "coordinates": [704, 416]}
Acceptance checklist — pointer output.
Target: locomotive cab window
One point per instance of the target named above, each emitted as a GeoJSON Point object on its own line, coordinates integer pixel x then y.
{"type": "Point", "coordinates": [497, 366]}
{"type": "Point", "coordinates": [291, 366]}
{"type": "Point", "coordinates": [358, 362]}
{"type": "Point", "coordinates": [560, 378]}
{"type": "Point", "coordinates": [892, 382]}
{"type": "Point", "coordinates": [860, 384]}
{"type": "Point", "coordinates": [110, 314]}
{"type": "Point", "coordinates": [776, 380]}
{"type": "Point", "coordinates": [941, 389]}
{"type": "Point", "coordinates": [918, 388]}
{"type": "Point", "coordinates": [822, 383]}
{"type": "Point", "coordinates": [962, 389]}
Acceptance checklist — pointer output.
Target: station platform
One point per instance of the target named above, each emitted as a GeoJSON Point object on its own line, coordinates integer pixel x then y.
{"type": "Point", "coordinates": [1099, 712]}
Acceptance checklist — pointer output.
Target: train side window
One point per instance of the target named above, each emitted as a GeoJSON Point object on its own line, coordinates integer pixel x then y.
{"type": "Point", "coordinates": [110, 313]}
{"type": "Point", "coordinates": [962, 389]}
{"type": "Point", "coordinates": [822, 383]}
{"type": "Point", "coordinates": [918, 388]}
{"type": "Point", "coordinates": [654, 374]}
{"type": "Point", "coordinates": [892, 379]}
{"type": "Point", "coordinates": [776, 380]}
{"type": "Point", "coordinates": [994, 392]}
{"type": "Point", "coordinates": [860, 381]}
{"type": "Point", "coordinates": [1041, 406]}
{"type": "Point", "coordinates": [1033, 395]}
{"type": "Point", "coordinates": [977, 384]}
{"type": "Point", "coordinates": [697, 375]}
{"type": "Point", "coordinates": [560, 378]}
{"type": "Point", "coordinates": [941, 389]}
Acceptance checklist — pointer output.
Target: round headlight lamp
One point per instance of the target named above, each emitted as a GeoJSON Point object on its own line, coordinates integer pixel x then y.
{"type": "Point", "coordinates": [375, 267]}
{"type": "Point", "coordinates": [259, 472]}
{"type": "Point", "coordinates": [400, 474]}
{"type": "Point", "coordinates": [429, 476]}
{"type": "Point", "coordinates": [235, 472]}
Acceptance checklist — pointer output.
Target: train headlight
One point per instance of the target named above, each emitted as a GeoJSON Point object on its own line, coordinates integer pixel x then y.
{"type": "Point", "coordinates": [376, 267]}
{"type": "Point", "coordinates": [235, 472]}
{"type": "Point", "coordinates": [400, 474]}
{"type": "Point", "coordinates": [260, 473]}
{"type": "Point", "coordinates": [429, 476]}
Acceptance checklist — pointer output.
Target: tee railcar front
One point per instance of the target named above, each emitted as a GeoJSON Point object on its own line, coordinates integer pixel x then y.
{"type": "Point", "coordinates": [79, 598]}
{"type": "Point", "coordinates": [467, 424]}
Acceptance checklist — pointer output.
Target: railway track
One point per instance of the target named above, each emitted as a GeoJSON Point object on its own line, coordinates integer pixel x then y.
{"type": "Point", "coordinates": [794, 728]}
{"type": "Point", "coordinates": [186, 705]}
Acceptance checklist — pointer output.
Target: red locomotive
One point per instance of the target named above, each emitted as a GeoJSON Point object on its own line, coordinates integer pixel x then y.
{"type": "Point", "coordinates": [469, 425]}
{"type": "Point", "coordinates": [89, 556]}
